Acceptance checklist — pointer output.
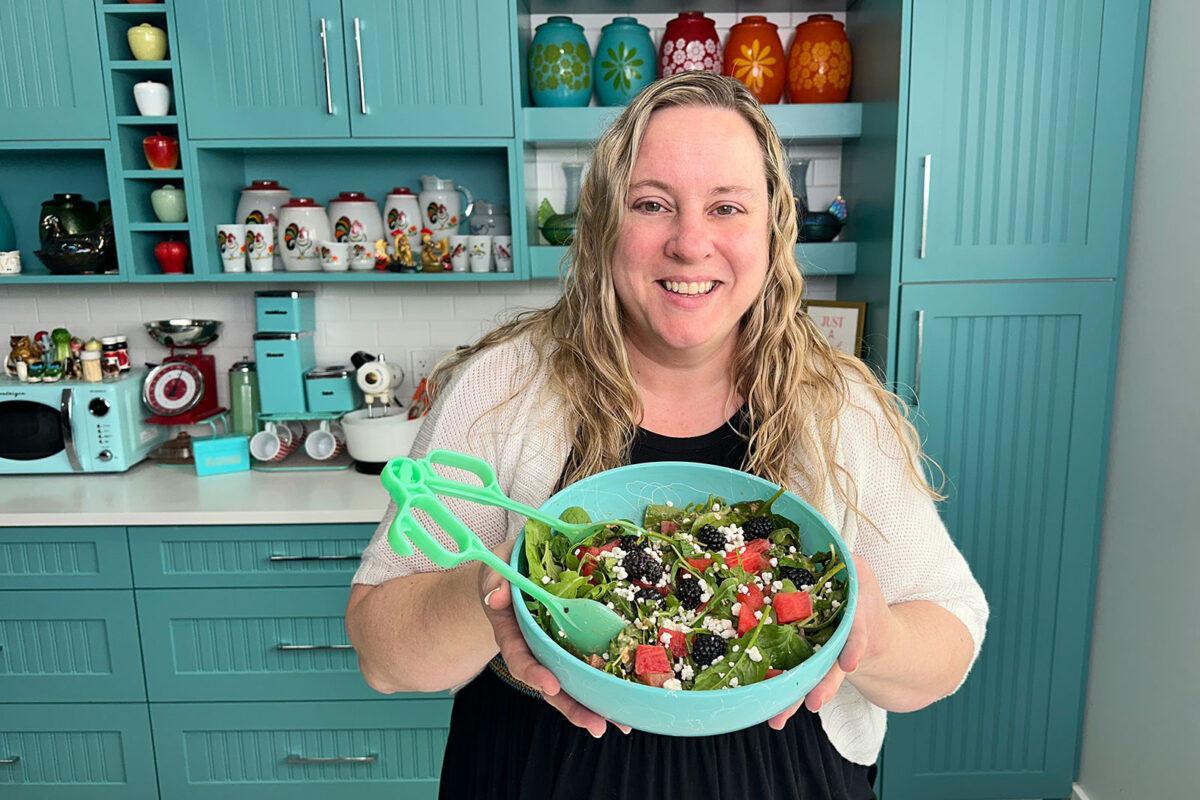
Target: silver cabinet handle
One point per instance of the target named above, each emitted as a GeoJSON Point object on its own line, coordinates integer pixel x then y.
{"type": "Point", "coordinates": [314, 647]}
{"type": "Point", "coordinates": [295, 759]}
{"type": "Point", "coordinates": [354, 557]}
{"type": "Point", "coordinates": [920, 347]}
{"type": "Point", "coordinates": [67, 424]}
{"type": "Point", "coordinates": [325, 60]}
{"type": "Point", "coordinates": [362, 90]}
{"type": "Point", "coordinates": [927, 162]}
{"type": "Point", "coordinates": [8, 762]}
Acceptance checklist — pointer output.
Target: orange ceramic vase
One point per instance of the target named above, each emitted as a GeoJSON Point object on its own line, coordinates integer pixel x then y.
{"type": "Point", "coordinates": [754, 55]}
{"type": "Point", "coordinates": [819, 64]}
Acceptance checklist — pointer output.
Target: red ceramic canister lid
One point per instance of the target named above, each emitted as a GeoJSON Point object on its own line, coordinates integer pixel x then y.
{"type": "Point", "coordinates": [402, 190]}
{"type": "Point", "coordinates": [351, 197]}
{"type": "Point", "coordinates": [265, 186]}
{"type": "Point", "coordinates": [301, 202]}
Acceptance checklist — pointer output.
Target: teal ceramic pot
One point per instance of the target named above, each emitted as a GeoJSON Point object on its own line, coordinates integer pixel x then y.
{"type": "Point", "coordinates": [623, 493]}
{"type": "Point", "coordinates": [75, 215]}
{"type": "Point", "coordinates": [169, 204]}
{"type": "Point", "coordinates": [560, 65]}
{"type": "Point", "coordinates": [625, 61]}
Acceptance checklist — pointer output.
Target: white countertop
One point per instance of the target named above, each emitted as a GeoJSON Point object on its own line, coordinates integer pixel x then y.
{"type": "Point", "coordinates": [152, 495]}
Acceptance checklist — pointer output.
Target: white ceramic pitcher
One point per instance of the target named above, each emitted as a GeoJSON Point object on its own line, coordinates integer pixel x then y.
{"type": "Point", "coordinates": [441, 211]}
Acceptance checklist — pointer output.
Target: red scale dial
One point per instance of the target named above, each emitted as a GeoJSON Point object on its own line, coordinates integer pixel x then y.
{"type": "Point", "coordinates": [173, 387]}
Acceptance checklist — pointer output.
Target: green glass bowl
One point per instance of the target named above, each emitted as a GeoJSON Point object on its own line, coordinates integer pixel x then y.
{"type": "Point", "coordinates": [559, 229]}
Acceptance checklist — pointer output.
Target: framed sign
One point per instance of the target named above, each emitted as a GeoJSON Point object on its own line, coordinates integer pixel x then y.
{"type": "Point", "coordinates": [842, 323]}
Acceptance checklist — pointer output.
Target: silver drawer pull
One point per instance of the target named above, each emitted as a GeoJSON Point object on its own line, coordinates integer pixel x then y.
{"type": "Point", "coordinates": [8, 762]}
{"type": "Point", "coordinates": [295, 759]}
{"type": "Point", "coordinates": [314, 647]}
{"type": "Point", "coordinates": [316, 558]}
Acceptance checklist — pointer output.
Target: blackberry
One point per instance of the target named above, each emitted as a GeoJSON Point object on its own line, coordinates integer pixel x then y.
{"type": "Point", "coordinates": [798, 576]}
{"type": "Point", "coordinates": [711, 538]}
{"type": "Point", "coordinates": [651, 597]}
{"type": "Point", "coordinates": [639, 566]}
{"type": "Point", "coordinates": [707, 648]}
{"type": "Point", "coordinates": [628, 542]}
{"type": "Point", "coordinates": [758, 528]}
{"type": "Point", "coordinates": [688, 590]}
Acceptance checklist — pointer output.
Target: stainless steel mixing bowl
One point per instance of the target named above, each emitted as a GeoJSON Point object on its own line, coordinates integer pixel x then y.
{"type": "Point", "coordinates": [184, 332]}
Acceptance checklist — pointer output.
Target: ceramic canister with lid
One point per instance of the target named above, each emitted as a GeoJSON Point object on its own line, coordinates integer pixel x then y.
{"type": "Point", "coordinates": [625, 62]}
{"type": "Point", "coordinates": [754, 56]}
{"type": "Point", "coordinates": [819, 65]}
{"type": "Point", "coordinates": [302, 223]}
{"type": "Point", "coordinates": [690, 42]}
{"type": "Point", "coordinates": [560, 64]}
{"type": "Point", "coordinates": [259, 205]}
{"type": "Point", "coordinates": [402, 214]}
{"type": "Point", "coordinates": [355, 219]}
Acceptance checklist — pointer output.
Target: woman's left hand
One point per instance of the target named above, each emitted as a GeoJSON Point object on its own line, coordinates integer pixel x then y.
{"type": "Point", "coordinates": [868, 636]}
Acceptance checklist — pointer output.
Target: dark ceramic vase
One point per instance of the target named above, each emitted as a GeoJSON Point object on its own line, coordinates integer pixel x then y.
{"type": "Point", "coordinates": [74, 214]}
{"type": "Point", "coordinates": [819, 226]}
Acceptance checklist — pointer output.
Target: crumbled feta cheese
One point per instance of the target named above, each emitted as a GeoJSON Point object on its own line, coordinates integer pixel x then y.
{"type": "Point", "coordinates": [774, 562]}
{"type": "Point", "coordinates": [670, 504]}
{"type": "Point", "coordinates": [664, 638]}
{"type": "Point", "coordinates": [716, 507]}
{"type": "Point", "coordinates": [610, 605]}
{"type": "Point", "coordinates": [766, 599]}
{"type": "Point", "coordinates": [758, 615]}
{"type": "Point", "coordinates": [687, 673]}
{"type": "Point", "coordinates": [754, 654]}
{"type": "Point", "coordinates": [736, 607]}
{"type": "Point", "coordinates": [733, 681]}
{"type": "Point", "coordinates": [777, 586]}
{"type": "Point", "coordinates": [562, 634]}
{"type": "Point", "coordinates": [736, 648]}
{"type": "Point", "coordinates": [673, 684]}
{"type": "Point", "coordinates": [545, 579]}
{"type": "Point", "coordinates": [836, 603]}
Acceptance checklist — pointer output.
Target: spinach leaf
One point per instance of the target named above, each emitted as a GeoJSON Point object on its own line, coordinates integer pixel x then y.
{"type": "Point", "coordinates": [575, 516]}
{"type": "Point", "coordinates": [656, 515]}
{"type": "Point", "coordinates": [782, 646]}
{"type": "Point", "coordinates": [537, 549]}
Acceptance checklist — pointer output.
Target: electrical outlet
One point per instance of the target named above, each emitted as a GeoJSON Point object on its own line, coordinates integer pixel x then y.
{"type": "Point", "coordinates": [423, 362]}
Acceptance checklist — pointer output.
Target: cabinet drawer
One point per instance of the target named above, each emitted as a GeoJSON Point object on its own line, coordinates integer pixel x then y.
{"type": "Point", "coordinates": [253, 555]}
{"type": "Point", "coordinates": [63, 558]}
{"type": "Point", "coordinates": [79, 646]}
{"type": "Point", "coordinates": [248, 644]}
{"type": "Point", "coordinates": [98, 751]}
{"type": "Point", "coordinates": [387, 749]}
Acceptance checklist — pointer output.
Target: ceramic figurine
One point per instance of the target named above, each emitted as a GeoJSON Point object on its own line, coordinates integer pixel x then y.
{"type": "Point", "coordinates": [444, 249]}
{"type": "Point", "coordinates": [36, 370]}
{"type": "Point", "coordinates": [23, 352]}
{"type": "Point", "coordinates": [61, 338]}
{"type": "Point", "coordinates": [431, 259]}
{"type": "Point", "coordinates": [403, 261]}
{"type": "Point", "coordinates": [381, 254]}
{"type": "Point", "coordinates": [53, 372]}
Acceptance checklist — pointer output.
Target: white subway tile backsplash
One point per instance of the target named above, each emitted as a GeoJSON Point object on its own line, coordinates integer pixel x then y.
{"type": "Point", "coordinates": [478, 307]}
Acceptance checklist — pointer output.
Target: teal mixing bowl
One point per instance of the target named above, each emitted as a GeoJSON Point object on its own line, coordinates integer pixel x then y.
{"type": "Point", "coordinates": [624, 493]}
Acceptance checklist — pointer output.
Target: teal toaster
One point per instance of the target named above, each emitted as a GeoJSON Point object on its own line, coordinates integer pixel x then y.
{"type": "Point", "coordinates": [332, 390]}
{"type": "Point", "coordinates": [283, 360]}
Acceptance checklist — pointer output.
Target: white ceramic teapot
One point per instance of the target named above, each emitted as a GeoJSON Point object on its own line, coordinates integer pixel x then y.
{"type": "Point", "coordinates": [441, 211]}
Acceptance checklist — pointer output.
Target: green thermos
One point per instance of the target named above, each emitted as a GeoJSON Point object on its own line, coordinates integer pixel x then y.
{"type": "Point", "coordinates": [243, 397]}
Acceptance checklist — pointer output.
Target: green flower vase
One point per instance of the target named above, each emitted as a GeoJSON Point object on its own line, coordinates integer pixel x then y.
{"type": "Point", "coordinates": [625, 61]}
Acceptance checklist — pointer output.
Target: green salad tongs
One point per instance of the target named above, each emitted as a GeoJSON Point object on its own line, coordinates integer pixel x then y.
{"type": "Point", "coordinates": [588, 625]}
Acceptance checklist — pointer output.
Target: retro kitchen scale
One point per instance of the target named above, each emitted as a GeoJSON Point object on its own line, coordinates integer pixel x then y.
{"type": "Point", "coordinates": [182, 390]}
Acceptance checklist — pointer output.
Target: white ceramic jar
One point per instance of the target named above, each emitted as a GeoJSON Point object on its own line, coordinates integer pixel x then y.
{"type": "Point", "coordinates": [402, 214]}
{"type": "Point", "coordinates": [302, 223]}
{"type": "Point", "coordinates": [259, 205]}
{"type": "Point", "coordinates": [441, 210]}
{"type": "Point", "coordinates": [355, 219]}
{"type": "Point", "coordinates": [153, 99]}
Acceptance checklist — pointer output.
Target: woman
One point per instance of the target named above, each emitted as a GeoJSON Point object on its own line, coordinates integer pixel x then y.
{"type": "Point", "coordinates": [680, 336]}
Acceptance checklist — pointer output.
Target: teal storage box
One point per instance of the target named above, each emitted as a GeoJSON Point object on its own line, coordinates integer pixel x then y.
{"type": "Point", "coordinates": [219, 454]}
{"type": "Point", "coordinates": [332, 390]}
{"type": "Point", "coordinates": [283, 359]}
{"type": "Point", "coordinates": [285, 311]}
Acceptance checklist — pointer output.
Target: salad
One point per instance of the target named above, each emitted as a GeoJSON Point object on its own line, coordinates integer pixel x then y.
{"type": "Point", "coordinates": [715, 595]}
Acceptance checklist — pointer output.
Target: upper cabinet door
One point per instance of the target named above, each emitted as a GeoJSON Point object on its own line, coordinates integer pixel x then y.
{"type": "Point", "coordinates": [262, 69]}
{"type": "Point", "coordinates": [1021, 124]}
{"type": "Point", "coordinates": [429, 69]}
{"type": "Point", "coordinates": [50, 84]}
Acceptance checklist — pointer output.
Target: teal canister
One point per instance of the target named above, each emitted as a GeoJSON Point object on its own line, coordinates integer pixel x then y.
{"type": "Point", "coordinates": [560, 64]}
{"type": "Point", "coordinates": [625, 61]}
{"type": "Point", "coordinates": [243, 397]}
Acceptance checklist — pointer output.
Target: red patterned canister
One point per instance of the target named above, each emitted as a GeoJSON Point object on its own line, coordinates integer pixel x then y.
{"type": "Point", "coordinates": [689, 43]}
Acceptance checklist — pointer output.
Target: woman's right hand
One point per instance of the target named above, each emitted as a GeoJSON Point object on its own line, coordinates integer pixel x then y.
{"type": "Point", "coordinates": [496, 596]}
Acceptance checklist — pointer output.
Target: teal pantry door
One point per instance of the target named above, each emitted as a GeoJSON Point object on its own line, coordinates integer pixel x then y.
{"type": "Point", "coordinates": [1013, 387]}
{"type": "Point", "coordinates": [434, 69]}
{"type": "Point", "coordinates": [50, 80]}
{"type": "Point", "coordinates": [261, 69]}
{"type": "Point", "coordinates": [1021, 113]}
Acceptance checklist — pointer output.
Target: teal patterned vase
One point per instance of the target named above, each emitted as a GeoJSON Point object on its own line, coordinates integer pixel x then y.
{"type": "Point", "coordinates": [560, 64]}
{"type": "Point", "coordinates": [625, 61]}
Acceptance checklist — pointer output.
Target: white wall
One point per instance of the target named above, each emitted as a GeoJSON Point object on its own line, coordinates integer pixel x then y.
{"type": "Point", "coordinates": [1141, 732]}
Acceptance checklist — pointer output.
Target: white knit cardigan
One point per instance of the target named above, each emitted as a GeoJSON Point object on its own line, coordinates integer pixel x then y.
{"type": "Point", "coordinates": [527, 444]}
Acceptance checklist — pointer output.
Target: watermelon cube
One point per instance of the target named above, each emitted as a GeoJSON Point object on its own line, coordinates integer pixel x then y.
{"type": "Point", "coordinates": [651, 658]}
{"type": "Point", "coordinates": [792, 606]}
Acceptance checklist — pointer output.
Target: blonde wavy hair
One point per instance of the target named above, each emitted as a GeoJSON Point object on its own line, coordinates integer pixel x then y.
{"type": "Point", "coordinates": [794, 383]}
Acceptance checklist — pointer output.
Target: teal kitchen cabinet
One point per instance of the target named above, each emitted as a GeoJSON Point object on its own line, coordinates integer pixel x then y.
{"type": "Point", "coordinates": [1013, 384]}
{"type": "Point", "coordinates": [286, 69]}
{"type": "Point", "coordinates": [98, 751]}
{"type": "Point", "coordinates": [50, 80]}
{"type": "Point", "coordinates": [1021, 115]}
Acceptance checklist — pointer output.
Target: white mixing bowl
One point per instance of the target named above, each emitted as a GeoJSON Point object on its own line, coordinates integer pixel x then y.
{"type": "Point", "coordinates": [380, 439]}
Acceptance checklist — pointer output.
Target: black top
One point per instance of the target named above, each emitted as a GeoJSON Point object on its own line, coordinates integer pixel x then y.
{"type": "Point", "coordinates": [507, 745]}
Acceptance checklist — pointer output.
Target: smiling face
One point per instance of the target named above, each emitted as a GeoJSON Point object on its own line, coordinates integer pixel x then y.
{"type": "Point", "coordinates": [693, 248]}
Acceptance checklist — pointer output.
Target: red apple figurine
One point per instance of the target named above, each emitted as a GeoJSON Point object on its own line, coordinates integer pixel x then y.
{"type": "Point", "coordinates": [162, 152]}
{"type": "Point", "coordinates": [172, 256]}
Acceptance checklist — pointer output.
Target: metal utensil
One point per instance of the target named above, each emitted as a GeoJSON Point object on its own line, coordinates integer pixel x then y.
{"type": "Point", "coordinates": [587, 624]}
